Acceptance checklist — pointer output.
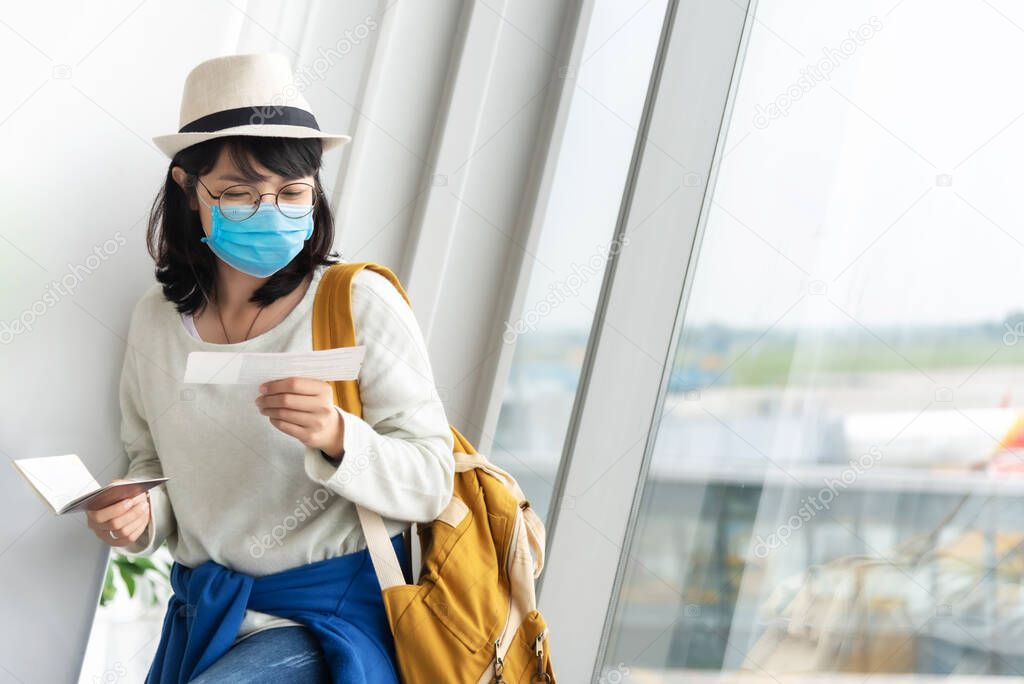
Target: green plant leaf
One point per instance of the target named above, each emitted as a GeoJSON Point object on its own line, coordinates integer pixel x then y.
{"type": "Point", "coordinates": [145, 564]}
{"type": "Point", "coordinates": [109, 589]}
{"type": "Point", "coordinates": [133, 571]}
{"type": "Point", "coordinates": [129, 580]}
{"type": "Point", "coordinates": [131, 568]}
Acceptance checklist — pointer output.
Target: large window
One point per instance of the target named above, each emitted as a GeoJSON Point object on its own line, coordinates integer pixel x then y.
{"type": "Point", "coordinates": [568, 266]}
{"type": "Point", "coordinates": [834, 479]}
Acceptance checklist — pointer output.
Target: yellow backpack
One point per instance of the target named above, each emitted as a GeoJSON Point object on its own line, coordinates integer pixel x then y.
{"type": "Point", "coordinates": [472, 617]}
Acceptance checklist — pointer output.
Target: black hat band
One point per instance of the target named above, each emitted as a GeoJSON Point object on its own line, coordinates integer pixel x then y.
{"type": "Point", "coordinates": [275, 115]}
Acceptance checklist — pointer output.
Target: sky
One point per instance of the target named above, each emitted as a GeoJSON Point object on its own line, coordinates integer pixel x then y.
{"type": "Point", "coordinates": [885, 194]}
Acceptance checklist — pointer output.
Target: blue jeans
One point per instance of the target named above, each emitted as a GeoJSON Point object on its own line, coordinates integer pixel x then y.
{"type": "Point", "coordinates": [278, 654]}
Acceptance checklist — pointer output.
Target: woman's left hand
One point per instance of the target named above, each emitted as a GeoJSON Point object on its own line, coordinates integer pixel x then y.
{"type": "Point", "coordinates": [304, 408]}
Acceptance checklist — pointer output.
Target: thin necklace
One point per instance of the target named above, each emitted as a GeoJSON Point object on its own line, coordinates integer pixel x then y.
{"type": "Point", "coordinates": [246, 332]}
{"type": "Point", "coordinates": [226, 330]}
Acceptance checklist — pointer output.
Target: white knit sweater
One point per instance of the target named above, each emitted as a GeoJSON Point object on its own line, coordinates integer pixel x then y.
{"type": "Point", "coordinates": [252, 498]}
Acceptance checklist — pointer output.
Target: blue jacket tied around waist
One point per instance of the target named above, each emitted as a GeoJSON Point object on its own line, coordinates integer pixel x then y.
{"type": "Point", "coordinates": [338, 599]}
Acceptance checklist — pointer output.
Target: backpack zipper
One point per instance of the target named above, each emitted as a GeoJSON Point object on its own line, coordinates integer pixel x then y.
{"type": "Point", "coordinates": [498, 663]}
{"type": "Point", "coordinates": [541, 674]}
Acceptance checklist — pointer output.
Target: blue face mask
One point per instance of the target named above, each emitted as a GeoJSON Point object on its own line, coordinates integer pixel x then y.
{"type": "Point", "coordinates": [260, 245]}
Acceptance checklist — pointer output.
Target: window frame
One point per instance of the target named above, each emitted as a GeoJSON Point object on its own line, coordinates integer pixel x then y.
{"type": "Point", "coordinates": [599, 491]}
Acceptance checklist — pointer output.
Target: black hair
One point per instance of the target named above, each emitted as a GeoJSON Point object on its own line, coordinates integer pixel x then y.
{"type": "Point", "coordinates": [185, 266]}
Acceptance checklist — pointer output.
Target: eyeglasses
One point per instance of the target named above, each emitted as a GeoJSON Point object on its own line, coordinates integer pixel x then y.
{"type": "Point", "coordinates": [239, 202]}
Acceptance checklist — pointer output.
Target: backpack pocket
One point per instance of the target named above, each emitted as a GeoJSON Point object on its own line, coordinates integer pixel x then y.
{"type": "Point", "coordinates": [463, 596]}
{"type": "Point", "coordinates": [439, 537]}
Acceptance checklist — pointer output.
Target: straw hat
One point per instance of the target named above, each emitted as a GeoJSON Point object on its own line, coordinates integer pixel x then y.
{"type": "Point", "coordinates": [243, 95]}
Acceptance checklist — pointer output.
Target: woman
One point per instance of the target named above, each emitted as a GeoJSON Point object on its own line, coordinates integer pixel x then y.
{"type": "Point", "coordinates": [259, 509]}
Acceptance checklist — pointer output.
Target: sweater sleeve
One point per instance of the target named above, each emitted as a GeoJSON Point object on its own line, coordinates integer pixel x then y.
{"type": "Point", "coordinates": [142, 460]}
{"type": "Point", "coordinates": [397, 459]}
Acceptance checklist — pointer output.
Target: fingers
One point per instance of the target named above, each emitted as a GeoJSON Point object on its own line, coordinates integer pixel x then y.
{"type": "Point", "coordinates": [124, 525]}
{"type": "Point", "coordinates": [299, 419]}
{"type": "Point", "coordinates": [312, 429]}
{"type": "Point", "coordinates": [314, 413]}
{"type": "Point", "coordinates": [129, 534]}
{"type": "Point", "coordinates": [308, 386]}
{"type": "Point", "coordinates": [125, 521]}
{"type": "Point", "coordinates": [299, 432]}
{"type": "Point", "coordinates": [300, 407]}
{"type": "Point", "coordinates": [105, 515]}
{"type": "Point", "coordinates": [299, 402]}
{"type": "Point", "coordinates": [126, 535]}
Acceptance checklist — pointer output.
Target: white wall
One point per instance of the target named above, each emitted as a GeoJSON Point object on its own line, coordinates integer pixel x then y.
{"type": "Point", "coordinates": [85, 88]}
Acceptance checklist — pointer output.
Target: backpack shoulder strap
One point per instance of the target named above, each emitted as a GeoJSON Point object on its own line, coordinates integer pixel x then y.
{"type": "Point", "coordinates": [334, 325]}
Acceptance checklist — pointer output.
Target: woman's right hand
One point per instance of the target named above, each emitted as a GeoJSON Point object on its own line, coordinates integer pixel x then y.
{"type": "Point", "coordinates": [127, 519]}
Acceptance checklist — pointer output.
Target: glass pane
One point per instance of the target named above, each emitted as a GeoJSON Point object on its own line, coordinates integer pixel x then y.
{"type": "Point", "coordinates": [551, 334]}
{"type": "Point", "coordinates": [834, 486]}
